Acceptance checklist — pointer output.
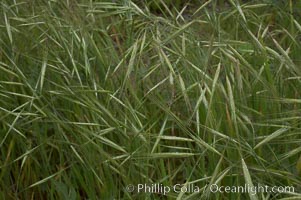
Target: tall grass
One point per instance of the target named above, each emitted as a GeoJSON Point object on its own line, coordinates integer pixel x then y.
{"type": "Point", "coordinates": [95, 96]}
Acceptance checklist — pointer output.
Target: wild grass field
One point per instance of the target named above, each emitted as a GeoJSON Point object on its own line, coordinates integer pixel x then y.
{"type": "Point", "coordinates": [100, 96]}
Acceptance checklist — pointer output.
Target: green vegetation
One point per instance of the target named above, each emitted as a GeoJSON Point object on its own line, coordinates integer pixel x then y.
{"type": "Point", "coordinates": [95, 96]}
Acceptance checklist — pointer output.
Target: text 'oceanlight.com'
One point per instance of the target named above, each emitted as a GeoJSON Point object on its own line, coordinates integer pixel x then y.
{"type": "Point", "coordinates": [213, 188]}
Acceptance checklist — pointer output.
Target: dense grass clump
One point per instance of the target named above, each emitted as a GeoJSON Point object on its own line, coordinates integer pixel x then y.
{"type": "Point", "coordinates": [98, 95]}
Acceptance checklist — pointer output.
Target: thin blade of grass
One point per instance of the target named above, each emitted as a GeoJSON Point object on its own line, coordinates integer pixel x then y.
{"type": "Point", "coordinates": [271, 137]}
{"type": "Point", "coordinates": [248, 179]}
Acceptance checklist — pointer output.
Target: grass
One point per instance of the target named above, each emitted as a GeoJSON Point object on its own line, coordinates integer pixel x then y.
{"type": "Point", "coordinates": [95, 96]}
